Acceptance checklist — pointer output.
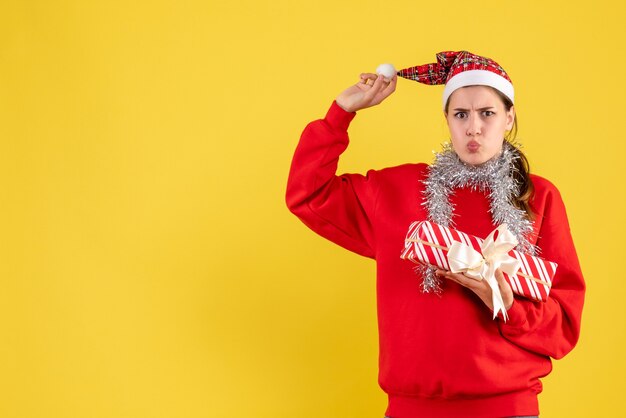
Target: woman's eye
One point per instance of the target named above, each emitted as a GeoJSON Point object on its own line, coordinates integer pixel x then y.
{"type": "Point", "coordinates": [460, 115]}
{"type": "Point", "coordinates": [488, 113]}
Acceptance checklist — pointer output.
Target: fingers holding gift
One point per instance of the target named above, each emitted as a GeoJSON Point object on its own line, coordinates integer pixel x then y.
{"type": "Point", "coordinates": [481, 287]}
{"type": "Point", "coordinates": [461, 279]}
{"type": "Point", "coordinates": [505, 289]}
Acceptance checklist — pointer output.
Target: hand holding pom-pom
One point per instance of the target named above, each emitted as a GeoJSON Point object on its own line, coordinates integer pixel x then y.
{"type": "Point", "coordinates": [370, 91]}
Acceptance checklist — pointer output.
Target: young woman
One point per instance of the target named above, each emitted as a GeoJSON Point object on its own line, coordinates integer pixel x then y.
{"type": "Point", "coordinates": [441, 352]}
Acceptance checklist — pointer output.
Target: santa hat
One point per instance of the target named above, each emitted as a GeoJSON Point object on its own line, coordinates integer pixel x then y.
{"type": "Point", "coordinates": [458, 69]}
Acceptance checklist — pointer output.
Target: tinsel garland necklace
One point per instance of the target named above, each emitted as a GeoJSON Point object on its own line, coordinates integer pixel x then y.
{"type": "Point", "coordinates": [495, 176]}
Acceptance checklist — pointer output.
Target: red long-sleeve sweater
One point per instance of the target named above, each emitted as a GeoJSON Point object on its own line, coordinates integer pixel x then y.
{"type": "Point", "coordinates": [440, 356]}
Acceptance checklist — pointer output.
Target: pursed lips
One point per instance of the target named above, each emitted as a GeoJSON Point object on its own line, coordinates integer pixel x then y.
{"type": "Point", "coordinates": [473, 146]}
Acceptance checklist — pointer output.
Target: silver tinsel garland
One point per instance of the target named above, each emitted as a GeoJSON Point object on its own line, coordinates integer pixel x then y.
{"type": "Point", "coordinates": [448, 172]}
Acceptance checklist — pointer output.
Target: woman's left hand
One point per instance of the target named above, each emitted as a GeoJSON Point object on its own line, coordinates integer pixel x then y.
{"type": "Point", "coordinates": [481, 288]}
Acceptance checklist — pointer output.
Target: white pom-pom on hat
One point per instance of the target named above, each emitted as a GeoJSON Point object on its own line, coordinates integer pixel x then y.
{"type": "Point", "coordinates": [386, 70]}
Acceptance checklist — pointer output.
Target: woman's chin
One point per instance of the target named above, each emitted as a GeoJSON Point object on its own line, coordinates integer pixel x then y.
{"type": "Point", "coordinates": [474, 159]}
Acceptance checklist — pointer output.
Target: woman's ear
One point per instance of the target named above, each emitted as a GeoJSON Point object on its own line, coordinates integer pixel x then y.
{"type": "Point", "coordinates": [510, 118]}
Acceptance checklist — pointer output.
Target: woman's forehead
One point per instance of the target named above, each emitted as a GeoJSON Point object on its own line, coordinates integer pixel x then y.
{"type": "Point", "coordinates": [475, 96]}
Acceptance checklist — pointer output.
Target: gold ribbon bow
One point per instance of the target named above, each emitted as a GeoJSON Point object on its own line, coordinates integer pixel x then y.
{"type": "Point", "coordinates": [495, 248]}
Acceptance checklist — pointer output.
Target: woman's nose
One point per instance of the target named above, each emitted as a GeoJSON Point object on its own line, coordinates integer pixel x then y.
{"type": "Point", "coordinates": [474, 126]}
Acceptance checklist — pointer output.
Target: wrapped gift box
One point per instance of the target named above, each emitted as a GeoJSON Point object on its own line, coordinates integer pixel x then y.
{"type": "Point", "coordinates": [428, 243]}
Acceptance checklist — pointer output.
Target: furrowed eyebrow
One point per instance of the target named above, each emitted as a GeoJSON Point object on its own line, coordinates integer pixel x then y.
{"type": "Point", "coordinates": [459, 109]}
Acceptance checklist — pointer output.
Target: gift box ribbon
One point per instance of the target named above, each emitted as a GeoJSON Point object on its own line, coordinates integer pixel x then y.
{"type": "Point", "coordinates": [482, 265]}
{"type": "Point", "coordinates": [464, 259]}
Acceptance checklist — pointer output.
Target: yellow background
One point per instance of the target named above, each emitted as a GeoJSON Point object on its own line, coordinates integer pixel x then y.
{"type": "Point", "coordinates": [148, 264]}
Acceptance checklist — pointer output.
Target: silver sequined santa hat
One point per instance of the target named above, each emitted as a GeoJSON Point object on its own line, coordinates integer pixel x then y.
{"type": "Point", "coordinates": [458, 69]}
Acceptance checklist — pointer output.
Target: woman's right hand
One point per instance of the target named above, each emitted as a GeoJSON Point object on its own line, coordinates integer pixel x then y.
{"type": "Point", "coordinates": [370, 91]}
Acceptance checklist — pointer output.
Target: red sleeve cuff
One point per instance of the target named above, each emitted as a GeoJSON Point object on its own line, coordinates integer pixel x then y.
{"type": "Point", "coordinates": [339, 118]}
{"type": "Point", "coordinates": [516, 316]}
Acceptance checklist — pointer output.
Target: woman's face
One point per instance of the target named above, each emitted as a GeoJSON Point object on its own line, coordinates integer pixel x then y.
{"type": "Point", "coordinates": [478, 121]}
